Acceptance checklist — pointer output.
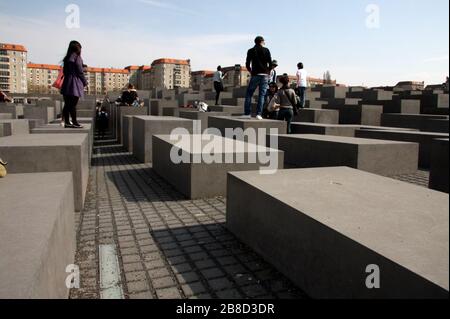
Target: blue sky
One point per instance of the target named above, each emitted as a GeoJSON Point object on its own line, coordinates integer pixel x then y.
{"type": "Point", "coordinates": [411, 43]}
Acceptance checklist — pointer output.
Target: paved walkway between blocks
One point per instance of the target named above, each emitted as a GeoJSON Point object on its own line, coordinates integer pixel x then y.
{"type": "Point", "coordinates": [168, 247]}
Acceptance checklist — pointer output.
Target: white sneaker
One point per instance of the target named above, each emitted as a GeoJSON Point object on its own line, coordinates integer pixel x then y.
{"type": "Point", "coordinates": [259, 117]}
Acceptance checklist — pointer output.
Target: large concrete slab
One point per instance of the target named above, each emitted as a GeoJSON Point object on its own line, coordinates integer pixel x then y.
{"type": "Point", "coordinates": [199, 177]}
{"type": "Point", "coordinates": [37, 235]}
{"type": "Point", "coordinates": [336, 129]}
{"type": "Point", "coordinates": [359, 114]}
{"type": "Point", "coordinates": [439, 165]}
{"type": "Point", "coordinates": [259, 127]}
{"type": "Point", "coordinates": [227, 109]}
{"type": "Point", "coordinates": [38, 153]}
{"type": "Point", "coordinates": [203, 117]}
{"type": "Point", "coordinates": [317, 116]}
{"type": "Point", "coordinates": [144, 127]}
{"type": "Point", "coordinates": [424, 139]}
{"type": "Point", "coordinates": [128, 110]}
{"type": "Point", "coordinates": [164, 108]}
{"type": "Point", "coordinates": [45, 113]}
{"type": "Point", "coordinates": [57, 129]}
{"type": "Point", "coordinates": [16, 110]}
{"type": "Point", "coordinates": [6, 116]}
{"type": "Point", "coordinates": [127, 133]}
{"type": "Point", "coordinates": [15, 127]}
{"type": "Point", "coordinates": [386, 158]}
{"type": "Point", "coordinates": [324, 227]}
{"type": "Point", "coordinates": [426, 123]}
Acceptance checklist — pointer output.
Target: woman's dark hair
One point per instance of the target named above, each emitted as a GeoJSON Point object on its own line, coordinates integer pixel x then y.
{"type": "Point", "coordinates": [284, 80]}
{"type": "Point", "coordinates": [74, 47]}
{"type": "Point", "coordinates": [300, 65]}
{"type": "Point", "coordinates": [130, 86]}
{"type": "Point", "coordinates": [219, 68]}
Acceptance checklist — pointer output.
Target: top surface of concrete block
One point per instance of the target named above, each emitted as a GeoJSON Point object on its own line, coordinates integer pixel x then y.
{"type": "Point", "coordinates": [195, 144]}
{"type": "Point", "coordinates": [36, 140]}
{"type": "Point", "coordinates": [406, 224]}
{"type": "Point", "coordinates": [160, 118]}
{"type": "Point", "coordinates": [340, 139]}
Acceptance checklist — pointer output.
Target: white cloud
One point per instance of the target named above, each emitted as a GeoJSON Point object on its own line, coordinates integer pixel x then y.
{"type": "Point", "coordinates": [168, 6]}
{"type": "Point", "coordinates": [119, 48]}
{"type": "Point", "coordinates": [441, 58]}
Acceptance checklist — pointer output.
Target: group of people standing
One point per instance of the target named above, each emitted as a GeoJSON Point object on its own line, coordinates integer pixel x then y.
{"type": "Point", "coordinates": [274, 102]}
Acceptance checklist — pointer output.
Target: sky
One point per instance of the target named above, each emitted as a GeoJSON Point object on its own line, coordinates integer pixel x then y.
{"type": "Point", "coordinates": [371, 43]}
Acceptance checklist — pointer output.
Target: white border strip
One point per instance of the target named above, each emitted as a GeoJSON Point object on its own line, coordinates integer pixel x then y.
{"type": "Point", "coordinates": [110, 283]}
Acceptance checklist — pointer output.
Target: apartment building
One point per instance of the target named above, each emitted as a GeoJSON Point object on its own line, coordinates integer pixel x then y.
{"type": "Point", "coordinates": [199, 78]}
{"type": "Point", "coordinates": [146, 79]}
{"type": "Point", "coordinates": [237, 76]}
{"type": "Point", "coordinates": [40, 78]}
{"type": "Point", "coordinates": [103, 80]}
{"type": "Point", "coordinates": [139, 76]}
{"type": "Point", "coordinates": [13, 68]}
{"type": "Point", "coordinates": [171, 73]}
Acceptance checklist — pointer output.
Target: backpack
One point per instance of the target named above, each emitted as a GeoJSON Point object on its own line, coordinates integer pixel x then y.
{"type": "Point", "coordinates": [3, 168]}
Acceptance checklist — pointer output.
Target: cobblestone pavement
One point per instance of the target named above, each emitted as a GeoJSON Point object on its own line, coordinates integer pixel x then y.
{"type": "Point", "coordinates": [168, 247]}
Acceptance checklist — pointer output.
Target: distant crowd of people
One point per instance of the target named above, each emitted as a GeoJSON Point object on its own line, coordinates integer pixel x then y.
{"type": "Point", "coordinates": [275, 101]}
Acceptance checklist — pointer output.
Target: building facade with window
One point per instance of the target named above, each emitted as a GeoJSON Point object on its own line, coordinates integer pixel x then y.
{"type": "Point", "coordinates": [40, 78]}
{"type": "Point", "coordinates": [13, 68]}
{"type": "Point", "coordinates": [171, 73]}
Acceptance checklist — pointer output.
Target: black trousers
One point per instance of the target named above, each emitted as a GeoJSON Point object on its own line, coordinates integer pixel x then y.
{"type": "Point", "coordinates": [219, 88]}
{"type": "Point", "coordinates": [70, 109]}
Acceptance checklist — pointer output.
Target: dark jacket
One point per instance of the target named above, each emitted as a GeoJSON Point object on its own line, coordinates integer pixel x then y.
{"type": "Point", "coordinates": [259, 60]}
{"type": "Point", "coordinates": [74, 80]}
{"type": "Point", "coordinates": [129, 97]}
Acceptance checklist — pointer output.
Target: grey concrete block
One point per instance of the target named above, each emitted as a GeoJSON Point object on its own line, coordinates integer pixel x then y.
{"type": "Point", "coordinates": [324, 129]}
{"type": "Point", "coordinates": [317, 116]}
{"type": "Point", "coordinates": [128, 110]}
{"type": "Point", "coordinates": [369, 96]}
{"type": "Point", "coordinates": [202, 179]}
{"type": "Point", "coordinates": [15, 127]}
{"type": "Point", "coordinates": [34, 123]}
{"type": "Point", "coordinates": [164, 108]}
{"type": "Point", "coordinates": [234, 101]}
{"type": "Point", "coordinates": [45, 113]}
{"type": "Point", "coordinates": [323, 227]}
{"type": "Point", "coordinates": [37, 232]}
{"type": "Point", "coordinates": [227, 109]}
{"type": "Point", "coordinates": [401, 106]}
{"type": "Point", "coordinates": [37, 153]}
{"type": "Point", "coordinates": [333, 92]}
{"type": "Point", "coordinates": [57, 129]}
{"type": "Point", "coordinates": [86, 113]}
{"type": "Point", "coordinates": [127, 133]}
{"type": "Point", "coordinates": [6, 116]}
{"type": "Point", "coordinates": [424, 139]}
{"type": "Point", "coordinates": [439, 165]}
{"type": "Point", "coordinates": [359, 114]}
{"type": "Point", "coordinates": [224, 123]}
{"type": "Point", "coordinates": [426, 123]}
{"type": "Point", "coordinates": [386, 158]}
{"type": "Point", "coordinates": [199, 116]}
{"type": "Point", "coordinates": [144, 127]}
{"type": "Point", "coordinates": [16, 110]}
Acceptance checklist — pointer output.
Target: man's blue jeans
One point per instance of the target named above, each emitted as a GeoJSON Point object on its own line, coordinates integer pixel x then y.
{"type": "Point", "coordinates": [302, 95]}
{"type": "Point", "coordinates": [261, 81]}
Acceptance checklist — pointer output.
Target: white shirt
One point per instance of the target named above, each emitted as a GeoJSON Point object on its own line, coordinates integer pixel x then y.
{"type": "Point", "coordinates": [302, 76]}
{"type": "Point", "coordinates": [218, 77]}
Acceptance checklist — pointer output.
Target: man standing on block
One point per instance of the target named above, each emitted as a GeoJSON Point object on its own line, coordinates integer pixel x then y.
{"type": "Point", "coordinates": [259, 64]}
{"type": "Point", "coordinates": [302, 84]}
